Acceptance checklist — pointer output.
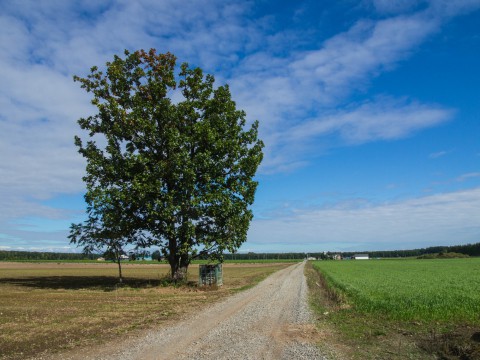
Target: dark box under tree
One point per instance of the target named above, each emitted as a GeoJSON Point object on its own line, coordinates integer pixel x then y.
{"type": "Point", "coordinates": [210, 275]}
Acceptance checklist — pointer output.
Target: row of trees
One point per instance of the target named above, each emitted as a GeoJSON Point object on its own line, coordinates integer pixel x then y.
{"type": "Point", "coordinates": [14, 255]}
{"type": "Point", "coordinates": [468, 249]}
{"type": "Point", "coordinates": [136, 255]}
{"type": "Point", "coordinates": [264, 256]}
{"type": "Point", "coordinates": [30, 255]}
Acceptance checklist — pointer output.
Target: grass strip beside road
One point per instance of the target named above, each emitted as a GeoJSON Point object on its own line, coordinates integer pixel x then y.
{"type": "Point", "coordinates": [50, 307]}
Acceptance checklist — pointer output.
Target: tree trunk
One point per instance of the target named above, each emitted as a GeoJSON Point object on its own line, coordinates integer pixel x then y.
{"type": "Point", "coordinates": [179, 266]}
{"type": "Point", "coordinates": [120, 278]}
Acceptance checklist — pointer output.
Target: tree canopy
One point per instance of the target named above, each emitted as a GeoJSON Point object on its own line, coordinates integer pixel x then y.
{"type": "Point", "coordinates": [177, 174]}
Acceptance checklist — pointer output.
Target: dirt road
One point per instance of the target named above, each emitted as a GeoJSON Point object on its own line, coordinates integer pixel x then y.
{"type": "Point", "coordinates": [269, 321]}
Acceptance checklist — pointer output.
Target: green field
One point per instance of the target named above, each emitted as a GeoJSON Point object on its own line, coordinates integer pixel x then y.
{"type": "Point", "coordinates": [430, 290]}
{"type": "Point", "coordinates": [399, 309]}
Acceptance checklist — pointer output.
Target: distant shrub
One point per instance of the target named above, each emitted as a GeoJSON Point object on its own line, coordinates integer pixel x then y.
{"type": "Point", "coordinates": [428, 256]}
{"type": "Point", "coordinates": [443, 255]}
{"type": "Point", "coordinates": [451, 255]}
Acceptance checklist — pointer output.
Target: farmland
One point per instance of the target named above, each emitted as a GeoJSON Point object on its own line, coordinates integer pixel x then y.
{"type": "Point", "coordinates": [440, 290]}
{"type": "Point", "coordinates": [426, 299]}
{"type": "Point", "coordinates": [49, 307]}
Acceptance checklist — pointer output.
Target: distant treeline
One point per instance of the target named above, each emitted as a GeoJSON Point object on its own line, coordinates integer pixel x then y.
{"type": "Point", "coordinates": [264, 256]}
{"type": "Point", "coordinates": [469, 249]}
{"type": "Point", "coordinates": [27, 255]}
{"type": "Point", "coordinates": [30, 255]}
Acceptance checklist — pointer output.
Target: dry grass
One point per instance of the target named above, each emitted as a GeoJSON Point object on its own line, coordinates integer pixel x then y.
{"type": "Point", "coordinates": [46, 308]}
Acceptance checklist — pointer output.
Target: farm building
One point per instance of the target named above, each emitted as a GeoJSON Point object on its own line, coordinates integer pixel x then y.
{"type": "Point", "coordinates": [360, 257]}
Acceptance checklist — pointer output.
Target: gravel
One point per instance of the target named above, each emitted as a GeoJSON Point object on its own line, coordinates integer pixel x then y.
{"type": "Point", "coordinates": [269, 321]}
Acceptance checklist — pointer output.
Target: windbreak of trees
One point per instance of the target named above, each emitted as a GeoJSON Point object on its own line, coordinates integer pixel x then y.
{"type": "Point", "coordinates": [264, 256]}
{"type": "Point", "coordinates": [469, 249]}
{"type": "Point", "coordinates": [155, 255]}
{"type": "Point", "coordinates": [108, 255]}
{"type": "Point", "coordinates": [28, 255]}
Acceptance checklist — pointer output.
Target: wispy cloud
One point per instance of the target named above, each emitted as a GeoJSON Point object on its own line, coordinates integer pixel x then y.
{"type": "Point", "coordinates": [436, 219]}
{"type": "Point", "coordinates": [44, 43]}
{"type": "Point", "coordinates": [316, 83]}
{"type": "Point", "coordinates": [438, 154]}
{"type": "Point", "coordinates": [468, 176]}
{"type": "Point", "coordinates": [383, 118]}
{"type": "Point", "coordinates": [397, 6]}
{"type": "Point", "coordinates": [348, 60]}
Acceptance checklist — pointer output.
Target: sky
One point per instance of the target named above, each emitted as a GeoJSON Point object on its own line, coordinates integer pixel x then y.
{"type": "Point", "coordinates": [369, 111]}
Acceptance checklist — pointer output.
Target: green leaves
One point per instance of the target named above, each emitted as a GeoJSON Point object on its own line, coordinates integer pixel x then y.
{"type": "Point", "coordinates": [178, 174]}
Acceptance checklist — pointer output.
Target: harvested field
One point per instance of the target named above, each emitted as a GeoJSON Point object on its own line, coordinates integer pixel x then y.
{"type": "Point", "coordinates": [51, 307]}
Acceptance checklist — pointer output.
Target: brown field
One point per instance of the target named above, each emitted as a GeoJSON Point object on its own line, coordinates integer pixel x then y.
{"type": "Point", "coordinates": [51, 307]}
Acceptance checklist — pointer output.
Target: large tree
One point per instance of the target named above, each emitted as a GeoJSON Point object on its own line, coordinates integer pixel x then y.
{"type": "Point", "coordinates": [177, 174]}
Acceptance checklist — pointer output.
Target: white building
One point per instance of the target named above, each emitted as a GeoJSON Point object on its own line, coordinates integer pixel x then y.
{"type": "Point", "coordinates": [360, 257]}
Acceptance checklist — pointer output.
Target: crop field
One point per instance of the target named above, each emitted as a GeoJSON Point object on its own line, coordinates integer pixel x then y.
{"type": "Point", "coordinates": [397, 309]}
{"type": "Point", "coordinates": [50, 307]}
{"type": "Point", "coordinates": [439, 290]}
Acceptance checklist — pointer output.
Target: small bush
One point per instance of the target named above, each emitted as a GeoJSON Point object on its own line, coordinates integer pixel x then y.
{"type": "Point", "coordinates": [444, 255]}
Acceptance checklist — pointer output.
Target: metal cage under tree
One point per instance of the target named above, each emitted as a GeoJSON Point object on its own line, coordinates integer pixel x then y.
{"type": "Point", "coordinates": [210, 275]}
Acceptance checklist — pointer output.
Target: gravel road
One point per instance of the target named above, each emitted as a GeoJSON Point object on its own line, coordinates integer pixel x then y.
{"type": "Point", "coordinates": [268, 321]}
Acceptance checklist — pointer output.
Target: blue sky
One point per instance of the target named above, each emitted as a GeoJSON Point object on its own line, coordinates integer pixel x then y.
{"type": "Point", "coordinates": [370, 112]}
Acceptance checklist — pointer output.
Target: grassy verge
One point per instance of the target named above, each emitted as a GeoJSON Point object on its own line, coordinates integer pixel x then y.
{"type": "Point", "coordinates": [50, 307]}
{"type": "Point", "coordinates": [414, 309]}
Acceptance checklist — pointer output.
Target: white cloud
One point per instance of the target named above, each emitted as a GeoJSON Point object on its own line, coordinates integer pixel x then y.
{"type": "Point", "coordinates": [442, 8]}
{"type": "Point", "coordinates": [438, 154]}
{"type": "Point", "coordinates": [348, 60]}
{"type": "Point", "coordinates": [383, 118]}
{"type": "Point", "coordinates": [54, 42]}
{"type": "Point", "coordinates": [311, 84]}
{"type": "Point", "coordinates": [468, 176]}
{"type": "Point", "coordinates": [437, 219]}
{"type": "Point", "coordinates": [42, 44]}
{"type": "Point", "coordinates": [396, 6]}
{"type": "Point", "coordinates": [387, 119]}
{"type": "Point", "coordinates": [447, 8]}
